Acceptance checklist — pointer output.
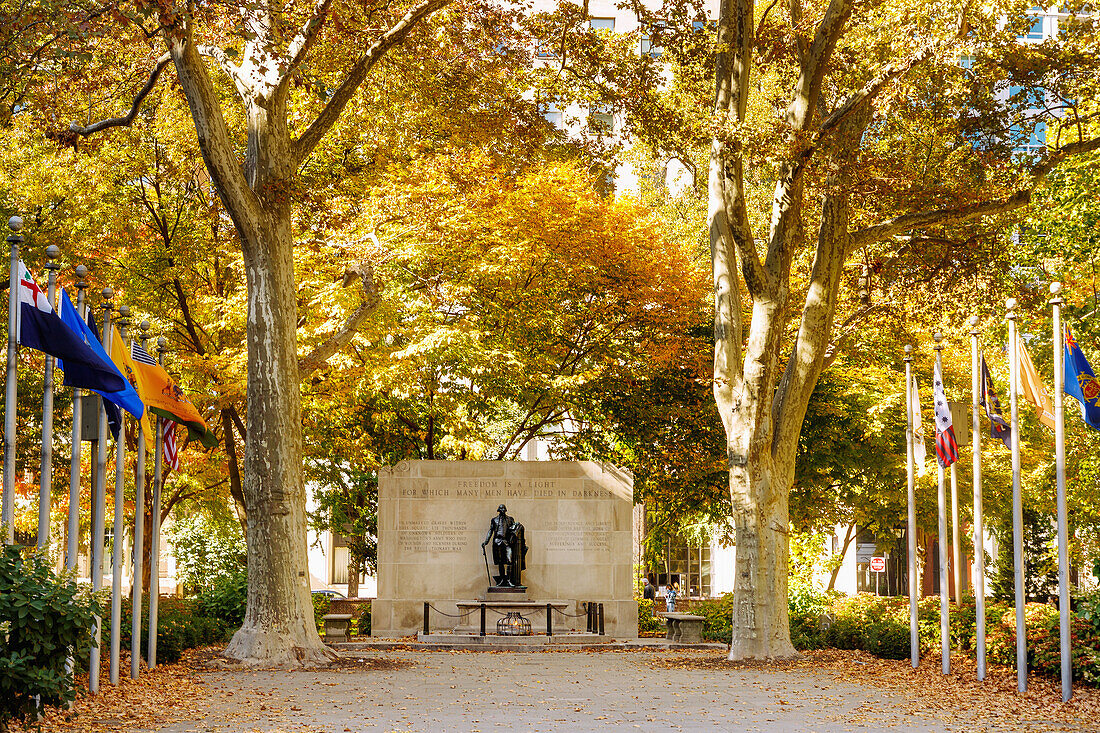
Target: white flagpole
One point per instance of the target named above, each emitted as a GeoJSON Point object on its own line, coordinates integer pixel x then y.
{"type": "Point", "coordinates": [139, 537]}
{"type": "Point", "coordinates": [7, 504]}
{"type": "Point", "coordinates": [941, 505]}
{"type": "Point", "coordinates": [154, 553]}
{"type": "Point", "coordinates": [956, 561]}
{"type": "Point", "coordinates": [119, 525]}
{"type": "Point", "coordinates": [1060, 471]}
{"type": "Point", "coordinates": [911, 528]}
{"type": "Point", "coordinates": [99, 508]}
{"type": "Point", "coordinates": [979, 532]}
{"type": "Point", "coordinates": [1017, 498]}
{"type": "Point", "coordinates": [73, 534]}
{"type": "Point", "coordinates": [45, 472]}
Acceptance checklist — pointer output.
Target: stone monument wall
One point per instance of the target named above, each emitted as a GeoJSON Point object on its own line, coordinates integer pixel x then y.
{"type": "Point", "coordinates": [433, 516]}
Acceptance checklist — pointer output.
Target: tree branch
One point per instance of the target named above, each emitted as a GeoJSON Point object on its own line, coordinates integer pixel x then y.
{"type": "Point", "coordinates": [953, 215]}
{"type": "Point", "coordinates": [306, 37]}
{"type": "Point", "coordinates": [305, 144]}
{"type": "Point", "coordinates": [232, 70]}
{"type": "Point", "coordinates": [323, 351]}
{"type": "Point", "coordinates": [127, 120]}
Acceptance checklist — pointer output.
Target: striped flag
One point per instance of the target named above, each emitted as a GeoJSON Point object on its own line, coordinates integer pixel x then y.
{"type": "Point", "coordinates": [171, 454]}
{"type": "Point", "coordinates": [920, 453]}
{"type": "Point", "coordinates": [947, 450]}
{"type": "Point", "coordinates": [998, 426]}
{"type": "Point", "coordinates": [140, 355]}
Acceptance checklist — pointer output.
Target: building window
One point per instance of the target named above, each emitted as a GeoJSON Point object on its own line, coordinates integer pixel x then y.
{"type": "Point", "coordinates": [551, 112]}
{"type": "Point", "coordinates": [339, 559]}
{"type": "Point", "coordinates": [1036, 140]}
{"type": "Point", "coordinates": [966, 62]}
{"type": "Point", "coordinates": [1034, 30]}
{"type": "Point", "coordinates": [690, 566]}
{"type": "Point", "coordinates": [601, 118]}
{"type": "Point", "coordinates": [546, 50]}
{"type": "Point", "coordinates": [601, 24]}
{"type": "Point", "coordinates": [1028, 97]}
{"type": "Point", "coordinates": [651, 45]}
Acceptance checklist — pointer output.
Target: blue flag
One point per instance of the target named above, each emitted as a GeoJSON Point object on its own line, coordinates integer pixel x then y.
{"type": "Point", "coordinates": [41, 329]}
{"type": "Point", "coordinates": [1081, 383]}
{"type": "Point", "coordinates": [126, 397]}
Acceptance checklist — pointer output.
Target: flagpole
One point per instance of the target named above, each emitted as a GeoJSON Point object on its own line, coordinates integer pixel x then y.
{"type": "Point", "coordinates": [1017, 498]}
{"type": "Point", "coordinates": [73, 534]}
{"type": "Point", "coordinates": [139, 538]}
{"type": "Point", "coordinates": [941, 505]}
{"type": "Point", "coordinates": [45, 472]}
{"type": "Point", "coordinates": [119, 524]}
{"type": "Point", "coordinates": [7, 504]}
{"type": "Point", "coordinates": [911, 529]}
{"type": "Point", "coordinates": [956, 570]}
{"type": "Point", "coordinates": [99, 492]}
{"type": "Point", "coordinates": [1060, 471]}
{"type": "Point", "coordinates": [154, 531]}
{"type": "Point", "coordinates": [979, 532]}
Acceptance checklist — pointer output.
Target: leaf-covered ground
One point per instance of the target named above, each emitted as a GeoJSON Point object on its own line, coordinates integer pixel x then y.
{"type": "Point", "coordinates": [643, 690]}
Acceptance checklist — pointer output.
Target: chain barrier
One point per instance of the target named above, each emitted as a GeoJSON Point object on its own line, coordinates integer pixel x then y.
{"type": "Point", "coordinates": [451, 615]}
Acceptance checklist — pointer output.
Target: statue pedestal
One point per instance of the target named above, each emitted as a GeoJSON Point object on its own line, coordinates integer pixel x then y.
{"type": "Point", "coordinates": [507, 595]}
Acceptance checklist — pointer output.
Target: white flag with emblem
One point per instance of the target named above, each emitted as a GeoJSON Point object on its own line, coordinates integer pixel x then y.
{"type": "Point", "coordinates": [920, 453]}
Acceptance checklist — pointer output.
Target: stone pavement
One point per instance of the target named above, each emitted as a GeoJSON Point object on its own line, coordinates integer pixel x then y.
{"type": "Point", "coordinates": [551, 691]}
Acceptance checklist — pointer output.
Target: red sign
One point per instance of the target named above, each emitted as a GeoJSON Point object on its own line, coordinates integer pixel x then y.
{"type": "Point", "coordinates": [878, 564]}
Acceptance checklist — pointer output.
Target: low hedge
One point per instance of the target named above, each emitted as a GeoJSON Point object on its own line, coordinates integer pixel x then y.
{"type": "Point", "coordinates": [649, 624]}
{"type": "Point", "coordinates": [880, 625]}
{"type": "Point", "coordinates": [181, 625]}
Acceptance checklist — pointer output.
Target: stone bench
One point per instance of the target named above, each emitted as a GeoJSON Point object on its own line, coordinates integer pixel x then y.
{"type": "Point", "coordinates": [336, 626]}
{"type": "Point", "coordinates": [683, 628]}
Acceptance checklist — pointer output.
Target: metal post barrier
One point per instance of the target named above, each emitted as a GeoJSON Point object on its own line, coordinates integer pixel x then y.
{"type": "Point", "coordinates": [601, 619]}
{"type": "Point", "coordinates": [483, 619]}
{"type": "Point", "coordinates": [587, 618]}
{"type": "Point", "coordinates": [549, 620]}
{"type": "Point", "coordinates": [426, 631]}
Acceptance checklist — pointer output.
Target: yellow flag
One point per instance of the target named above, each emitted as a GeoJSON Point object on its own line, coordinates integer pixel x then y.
{"type": "Point", "coordinates": [163, 397]}
{"type": "Point", "coordinates": [1031, 386]}
{"type": "Point", "coordinates": [120, 355]}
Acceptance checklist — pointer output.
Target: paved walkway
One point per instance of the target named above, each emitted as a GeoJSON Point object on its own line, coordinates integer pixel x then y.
{"type": "Point", "coordinates": [551, 691]}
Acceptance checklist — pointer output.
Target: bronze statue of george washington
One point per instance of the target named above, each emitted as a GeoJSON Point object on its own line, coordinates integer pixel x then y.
{"type": "Point", "coordinates": [509, 548]}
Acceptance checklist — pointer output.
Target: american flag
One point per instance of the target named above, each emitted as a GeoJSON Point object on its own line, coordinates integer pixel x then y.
{"type": "Point", "coordinates": [171, 455]}
{"type": "Point", "coordinates": [140, 355]}
{"type": "Point", "coordinates": [947, 450]}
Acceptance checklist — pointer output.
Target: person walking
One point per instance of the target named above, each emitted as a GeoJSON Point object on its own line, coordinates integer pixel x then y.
{"type": "Point", "coordinates": [670, 598]}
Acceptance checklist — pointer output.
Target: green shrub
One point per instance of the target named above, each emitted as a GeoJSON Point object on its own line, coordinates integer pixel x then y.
{"type": "Point", "coordinates": [321, 604]}
{"type": "Point", "coordinates": [648, 623]}
{"type": "Point", "coordinates": [364, 620]}
{"type": "Point", "coordinates": [226, 600]}
{"type": "Point", "coordinates": [43, 620]}
{"type": "Point", "coordinates": [718, 615]}
{"type": "Point", "coordinates": [181, 625]}
{"type": "Point", "coordinates": [888, 639]}
{"type": "Point", "coordinates": [1087, 607]}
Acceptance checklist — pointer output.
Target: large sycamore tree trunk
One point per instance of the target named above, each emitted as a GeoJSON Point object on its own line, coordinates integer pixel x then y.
{"type": "Point", "coordinates": [278, 628]}
{"type": "Point", "coordinates": [763, 383]}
